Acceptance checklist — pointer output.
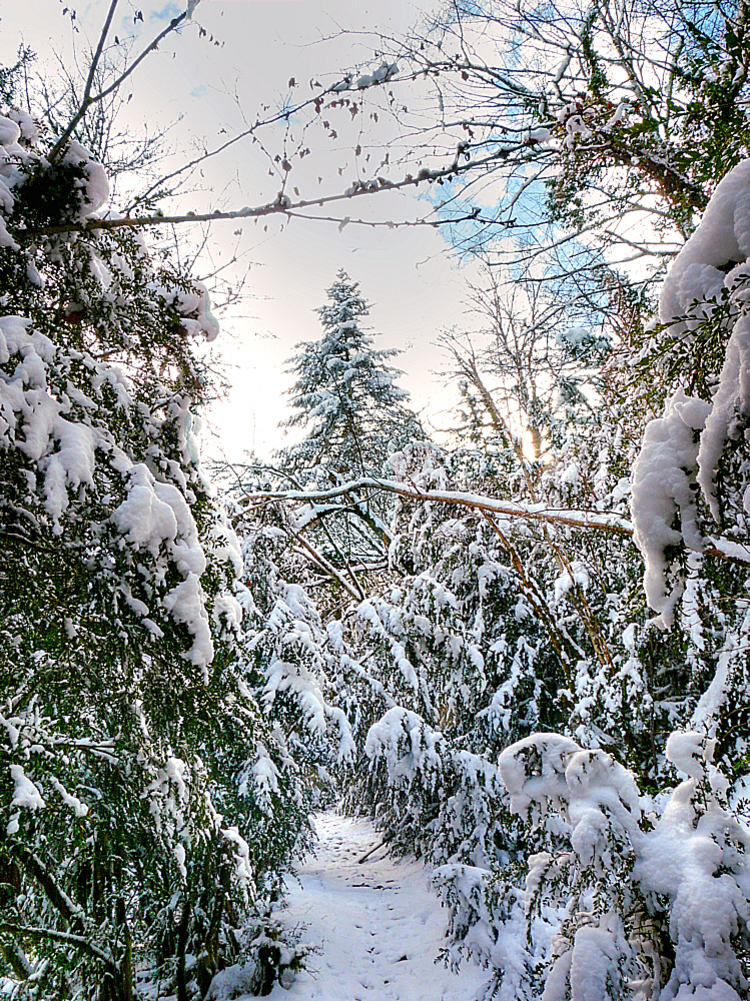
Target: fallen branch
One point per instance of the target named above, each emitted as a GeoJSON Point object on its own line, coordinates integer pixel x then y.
{"type": "Point", "coordinates": [716, 546]}
{"type": "Point", "coordinates": [608, 522]}
{"type": "Point", "coordinates": [371, 852]}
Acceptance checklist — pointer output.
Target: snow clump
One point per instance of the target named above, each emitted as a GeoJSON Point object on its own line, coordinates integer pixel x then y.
{"type": "Point", "coordinates": [682, 450]}
{"type": "Point", "coordinates": [663, 486]}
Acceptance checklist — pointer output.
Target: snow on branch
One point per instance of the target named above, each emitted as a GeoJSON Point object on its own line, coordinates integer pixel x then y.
{"type": "Point", "coordinates": [664, 484]}
{"type": "Point", "coordinates": [682, 450]}
{"type": "Point", "coordinates": [716, 546]}
{"type": "Point", "coordinates": [608, 522]}
{"type": "Point", "coordinates": [684, 870]}
{"type": "Point", "coordinates": [64, 938]}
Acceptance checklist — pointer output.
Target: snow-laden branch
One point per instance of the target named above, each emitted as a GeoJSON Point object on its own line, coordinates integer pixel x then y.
{"type": "Point", "coordinates": [608, 521]}
{"type": "Point", "coordinates": [603, 521]}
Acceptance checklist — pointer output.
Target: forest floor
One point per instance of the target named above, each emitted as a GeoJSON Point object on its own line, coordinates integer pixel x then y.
{"type": "Point", "coordinates": [378, 925]}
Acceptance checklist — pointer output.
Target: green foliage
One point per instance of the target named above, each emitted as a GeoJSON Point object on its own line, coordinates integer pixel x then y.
{"type": "Point", "coordinates": [137, 830]}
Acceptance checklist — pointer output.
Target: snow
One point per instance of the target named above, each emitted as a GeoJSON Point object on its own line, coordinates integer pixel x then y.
{"type": "Point", "coordinates": [378, 926]}
{"type": "Point", "coordinates": [722, 238]}
{"type": "Point", "coordinates": [408, 745]}
{"type": "Point", "coordinates": [685, 751]}
{"type": "Point", "coordinates": [243, 865]}
{"type": "Point", "coordinates": [524, 788]}
{"type": "Point", "coordinates": [96, 183]}
{"type": "Point", "coordinates": [576, 575]}
{"type": "Point", "coordinates": [711, 265]}
{"type": "Point", "coordinates": [187, 604]}
{"type": "Point", "coordinates": [265, 779]}
{"type": "Point", "coordinates": [180, 856]}
{"type": "Point", "coordinates": [386, 71]}
{"type": "Point", "coordinates": [10, 132]}
{"type": "Point", "coordinates": [691, 862]}
{"type": "Point", "coordinates": [730, 410]}
{"type": "Point", "coordinates": [663, 479]}
{"type": "Point", "coordinates": [28, 127]}
{"type": "Point", "coordinates": [229, 984]}
{"type": "Point", "coordinates": [79, 809]}
{"type": "Point", "coordinates": [195, 308]}
{"type": "Point", "coordinates": [25, 794]}
{"type": "Point", "coordinates": [695, 857]}
{"type": "Point", "coordinates": [539, 135]}
{"type": "Point", "coordinates": [154, 513]}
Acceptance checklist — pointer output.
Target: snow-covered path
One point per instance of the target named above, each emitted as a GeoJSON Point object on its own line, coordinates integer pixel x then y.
{"type": "Point", "coordinates": [378, 925]}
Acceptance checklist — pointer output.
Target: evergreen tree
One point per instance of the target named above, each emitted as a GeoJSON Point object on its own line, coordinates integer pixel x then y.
{"type": "Point", "coordinates": [346, 395]}
{"type": "Point", "coordinates": [355, 415]}
{"type": "Point", "coordinates": [147, 802]}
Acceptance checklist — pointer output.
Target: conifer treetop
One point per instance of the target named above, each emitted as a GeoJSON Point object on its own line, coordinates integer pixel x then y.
{"type": "Point", "coordinates": [346, 392]}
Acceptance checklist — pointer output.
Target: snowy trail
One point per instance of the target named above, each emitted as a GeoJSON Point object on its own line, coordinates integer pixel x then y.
{"type": "Point", "coordinates": [378, 925]}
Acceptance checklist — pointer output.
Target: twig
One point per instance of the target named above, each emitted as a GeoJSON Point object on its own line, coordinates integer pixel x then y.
{"type": "Point", "coordinates": [371, 852]}
{"type": "Point", "coordinates": [88, 100]}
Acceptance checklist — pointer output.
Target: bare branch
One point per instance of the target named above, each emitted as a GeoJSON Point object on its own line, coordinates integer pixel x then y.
{"type": "Point", "coordinates": [282, 205]}
{"type": "Point", "coordinates": [88, 100]}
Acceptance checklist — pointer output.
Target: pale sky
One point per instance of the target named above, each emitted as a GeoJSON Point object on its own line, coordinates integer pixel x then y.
{"type": "Point", "coordinates": [416, 290]}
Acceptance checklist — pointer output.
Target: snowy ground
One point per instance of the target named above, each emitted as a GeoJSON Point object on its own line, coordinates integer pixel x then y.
{"type": "Point", "coordinates": [377, 923]}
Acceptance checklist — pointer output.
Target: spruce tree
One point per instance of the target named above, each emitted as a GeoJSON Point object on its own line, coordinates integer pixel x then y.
{"type": "Point", "coordinates": [355, 416]}
{"type": "Point", "coordinates": [346, 395]}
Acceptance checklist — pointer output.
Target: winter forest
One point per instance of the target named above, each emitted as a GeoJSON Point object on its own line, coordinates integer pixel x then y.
{"type": "Point", "coordinates": [518, 645]}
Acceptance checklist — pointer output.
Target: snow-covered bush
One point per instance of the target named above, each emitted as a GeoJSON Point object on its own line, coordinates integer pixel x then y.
{"type": "Point", "coordinates": [643, 892]}
{"type": "Point", "coordinates": [293, 664]}
{"type": "Point", "coordinates": [626, 896]}
{"type": "Point", "coordinates": [134, 761]}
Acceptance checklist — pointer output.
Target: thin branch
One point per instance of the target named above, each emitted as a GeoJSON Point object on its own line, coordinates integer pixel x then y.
{"type": "Point", "coordinates": [282, 205]}
{"type": "Point", "coordinates": [59, 899]}
{"type": "Point", "coordinates": [331, 570]}
{"type": "Point", "coordinates": [88, 100]}
{"type": "Point", "coordinates": [65, 938]}
{"type": "Point", "coordinates": [567, 651]}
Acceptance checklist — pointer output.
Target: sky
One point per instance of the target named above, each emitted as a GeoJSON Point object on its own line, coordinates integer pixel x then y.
{"type": "Point", "coordinates": [216, 82]}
